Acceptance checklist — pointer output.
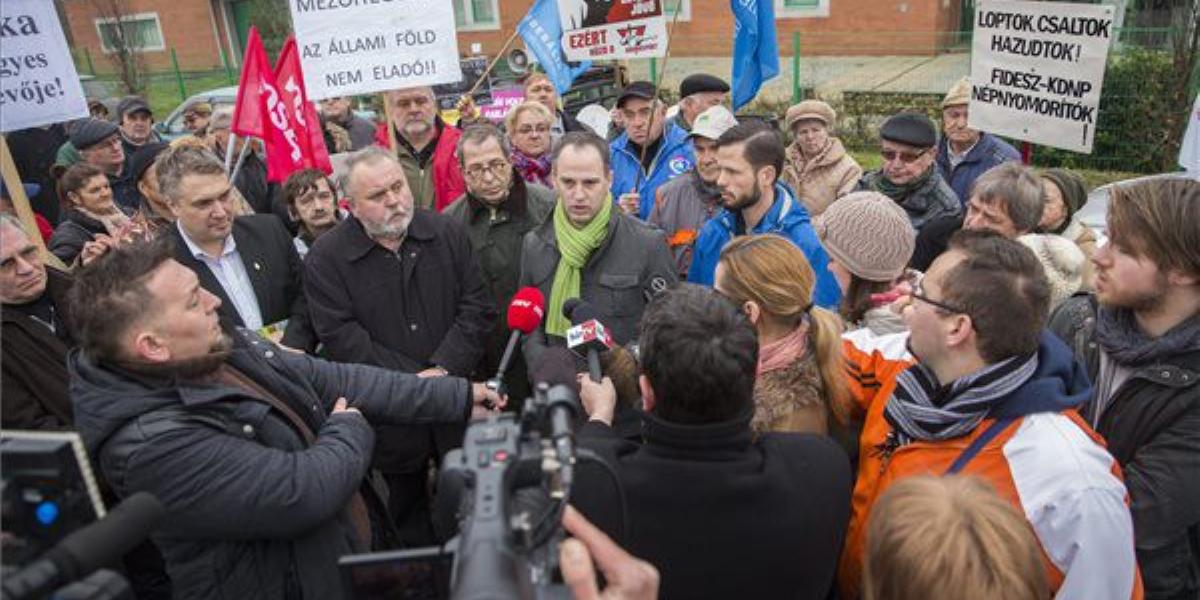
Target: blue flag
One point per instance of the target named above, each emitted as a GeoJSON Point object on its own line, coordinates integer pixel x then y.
{"type": "Point", "coordinates": [542, 32]}
{"type": "Point", "coordinates": [755, 49]}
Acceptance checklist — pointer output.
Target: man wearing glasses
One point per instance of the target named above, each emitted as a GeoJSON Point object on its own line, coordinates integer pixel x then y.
{"type": "Point", "coordinates": [909, 174]}
{"type": "Point", "coordinates": [652, 150]}
{"type": "Point", "coordinates": [993, 395]}
{"type": "Point", "coordinates": [399, 287]}
{"type": "Point", "coordinates": [498, 209]}
{"type": "Point", "coordinates": [425, 146]}
{"type": "Point", "coordinates": [99, 144]}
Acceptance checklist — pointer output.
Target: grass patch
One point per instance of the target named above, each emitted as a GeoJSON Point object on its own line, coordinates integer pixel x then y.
{"type": "Point", "coordinates": [870, 160]}
{"type": "Point", "coordinates": [162, 89]}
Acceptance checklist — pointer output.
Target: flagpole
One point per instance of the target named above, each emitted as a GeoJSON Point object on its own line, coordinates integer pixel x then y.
{"type": "Point", "coordinates": [657, 82]}
{"type": "Point", "coordinates": [229, 152]}
{"type": "Point", "coordinates": [241, 158]}
{"type": "Point", "coordinates": [499, 55]}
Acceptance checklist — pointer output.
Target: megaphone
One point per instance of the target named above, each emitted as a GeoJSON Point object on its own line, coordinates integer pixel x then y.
{"type": "Point", "coordinates": [518, 61]}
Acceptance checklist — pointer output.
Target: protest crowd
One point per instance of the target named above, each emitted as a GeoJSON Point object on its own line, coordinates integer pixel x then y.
{"type": "Point", "coordinates": [926, 380]}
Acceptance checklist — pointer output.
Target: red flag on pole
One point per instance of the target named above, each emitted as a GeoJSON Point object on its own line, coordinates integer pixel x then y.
{"type": "Point", "coordinates": [256, 70]}
{"type": "Point", "coordinates": [290, 80]}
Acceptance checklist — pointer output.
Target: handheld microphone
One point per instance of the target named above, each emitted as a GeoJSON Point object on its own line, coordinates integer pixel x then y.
{"type": "Point", "coordinates": [525, 313]}
{"type": "Point", "coordinates": [587, 336]}
{"type": "Point", "coordinates": [88, 549]}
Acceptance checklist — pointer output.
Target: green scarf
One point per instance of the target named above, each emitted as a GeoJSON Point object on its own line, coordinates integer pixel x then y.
{"type": "Point", "coordinates": [575, 246]}
{"type": "Point", "coordinates": [900, 193]}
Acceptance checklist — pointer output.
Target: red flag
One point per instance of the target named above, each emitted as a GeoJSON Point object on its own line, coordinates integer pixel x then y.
{"type": "Point", "coordinates": [256, 70]}
{"type": "Point", "coordinates": [289, 78]}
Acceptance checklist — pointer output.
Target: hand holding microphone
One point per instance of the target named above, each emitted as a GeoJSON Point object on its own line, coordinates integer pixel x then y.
{"type": "Point", "coordinates": [525, 313]}
{"type": "Point", "coordinates": [586, 337]}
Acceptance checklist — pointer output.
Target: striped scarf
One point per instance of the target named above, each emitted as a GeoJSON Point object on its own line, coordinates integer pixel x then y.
{"type": "Point", "coordinates": [921, 409]}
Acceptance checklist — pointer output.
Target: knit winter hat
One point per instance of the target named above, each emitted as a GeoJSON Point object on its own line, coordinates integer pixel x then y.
{"type": "Point", "coordinates": [960, 93]}
{"type": "Point", "coordinates": [869, 234]}
{"type": "Point", "coordinates": [1073, 187]}
{"type": "Point", "coordinates": [1062, 261]}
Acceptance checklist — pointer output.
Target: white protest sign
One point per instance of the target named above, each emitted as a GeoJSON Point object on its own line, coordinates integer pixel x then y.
{"type": "Point", "coordinates": [1037, 69]}
{"type": "Point", "coordinates": [38, 82]}
{"type": "Point", "coordinates": [350, 47]}
{"type": "Point", "coordinates": [612, 29]}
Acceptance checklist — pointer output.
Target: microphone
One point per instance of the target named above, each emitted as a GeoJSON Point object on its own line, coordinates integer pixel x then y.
{"type": "Point", "coordinates": [586, 337]}
{"type": "Point", "coordinates": [87, 549]}
{"type": "Point", "coordinates": [525, 313]}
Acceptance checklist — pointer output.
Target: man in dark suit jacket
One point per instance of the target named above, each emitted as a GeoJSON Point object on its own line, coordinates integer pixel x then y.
{"type": "Point", "coordinates": [770, 513]}
{"type": "Point", "coordinates": [249, 262]}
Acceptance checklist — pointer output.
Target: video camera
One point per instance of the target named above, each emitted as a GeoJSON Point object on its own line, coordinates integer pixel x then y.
{"type": "Point", "coordinates": [510, 482]}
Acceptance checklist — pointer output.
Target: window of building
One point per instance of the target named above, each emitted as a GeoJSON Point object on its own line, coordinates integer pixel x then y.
{"type": "Point", "coordinates": [685, 10]}
{"type": "Point", "coordinates": [141, 32]}
{"type": "Point", "coordinates": [790, 9]}
{"type": "Point", "coordinates": [476, 15]}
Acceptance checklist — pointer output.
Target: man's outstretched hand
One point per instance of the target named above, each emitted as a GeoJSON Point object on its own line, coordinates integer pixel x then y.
{"type": "Point", "coordinates": [629, 578]}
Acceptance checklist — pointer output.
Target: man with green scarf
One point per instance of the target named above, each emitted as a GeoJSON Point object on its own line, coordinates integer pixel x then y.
{"type": "Point", "coordinates": [909, 174]}
{"type": "Point", "coordinates": [590, 250]}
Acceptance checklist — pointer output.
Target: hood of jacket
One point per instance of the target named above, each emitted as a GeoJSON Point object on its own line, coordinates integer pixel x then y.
{"type": "Point", "coordinates": [1058, 384]}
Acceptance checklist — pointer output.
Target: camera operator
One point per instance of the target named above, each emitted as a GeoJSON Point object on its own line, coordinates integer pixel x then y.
{"type": "Point", "coordinates": [256, 452]}
{"type": "Point", "coordinates": [773, 510]}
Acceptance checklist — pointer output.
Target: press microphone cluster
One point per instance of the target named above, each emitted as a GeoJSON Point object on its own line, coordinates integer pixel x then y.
{"type": "Point", "coordinates": [525, 313]}
{"type": "Point", "coordinates": [587, 337]}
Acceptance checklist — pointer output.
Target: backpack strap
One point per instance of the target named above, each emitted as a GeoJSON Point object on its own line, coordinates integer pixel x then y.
{"type": "Point", "coordinates": [988, 435]}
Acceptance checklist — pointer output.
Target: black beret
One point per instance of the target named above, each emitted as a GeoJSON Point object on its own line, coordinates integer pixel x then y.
{"type": "Point", "coordinates": [911, 128]}
{"type": "Point", "coordinates": [91, 131]}
{"type": "Point", "coordinates": [701, 82]}
{"type": "Point", "coordinates": [143, 157]}
{"type": "Point", "coordinates": [638, 89]}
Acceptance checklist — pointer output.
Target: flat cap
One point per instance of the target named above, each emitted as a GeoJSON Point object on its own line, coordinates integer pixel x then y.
{"type": "Point", "coordinates": [132, 104]}
{"type": "Point", "coordinates": [811, 109]}
{"type": "Point", "coordinates": [701, 82]}
{"type": "Point", "coordinates": [912, 128]}
{"type": "Point", "coordinates": [91, 131]}
{"type": "Point", "coordinates": [143, 157]}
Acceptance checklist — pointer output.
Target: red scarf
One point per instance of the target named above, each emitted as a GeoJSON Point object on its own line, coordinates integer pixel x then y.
{"type": "Point", "coordinates": [532, 170]}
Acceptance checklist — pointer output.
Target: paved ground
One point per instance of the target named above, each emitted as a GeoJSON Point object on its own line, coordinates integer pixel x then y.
{"type": "Point", "coordinates": [830, 76]}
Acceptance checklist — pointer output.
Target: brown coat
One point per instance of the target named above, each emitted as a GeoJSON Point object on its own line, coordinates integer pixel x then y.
{"type": "Point", "coordinates": [791, 400]}
{"type": "Point", "coordinates": [822, 179]}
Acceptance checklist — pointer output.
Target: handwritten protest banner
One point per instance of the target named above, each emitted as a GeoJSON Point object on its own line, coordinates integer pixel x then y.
{"type": "Point", "coordinates": [612, 29]}
{"type": "Point", "coordinates": [38, 82]}
{"type": "Point", "coordinates": [1037, 69]}
{"type": "Point", "coordinates": [350, 47]}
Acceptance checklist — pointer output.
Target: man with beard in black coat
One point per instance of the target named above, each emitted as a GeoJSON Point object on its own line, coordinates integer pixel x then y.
{"type": "Point", "coordinates": [258, 453]}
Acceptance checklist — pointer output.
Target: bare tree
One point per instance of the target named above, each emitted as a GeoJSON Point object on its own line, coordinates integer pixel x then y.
{"type": "Point", "coordinates": [124, 42]}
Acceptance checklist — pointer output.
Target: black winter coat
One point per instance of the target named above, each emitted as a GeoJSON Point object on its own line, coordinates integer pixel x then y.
{"type": "Point", "coordinates": [423, 306]}
{"type": "Point", "coordinates": [75, 230]}
{"type": "Point", "coordinates": [1152, 426]}
{"type": "Point", "coordinates": [34, 394]}
{"type": "Point", "coordinates": [253, 511]}
{"type": "Point", "coordinates": [721, 515]}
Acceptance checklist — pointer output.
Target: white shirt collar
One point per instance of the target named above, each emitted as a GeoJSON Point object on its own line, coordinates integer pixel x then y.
{"type": "Point", "coordinates": [230, 245]}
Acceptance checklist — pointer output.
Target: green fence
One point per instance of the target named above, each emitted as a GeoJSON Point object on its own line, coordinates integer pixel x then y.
{"type": "Point", "coordinates": [164, 89]}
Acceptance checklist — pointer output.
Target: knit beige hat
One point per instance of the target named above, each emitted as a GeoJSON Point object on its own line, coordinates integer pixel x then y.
{"type": "Point", "coordinates": [811, 109]}
{"type": "Point", "coordinates": [869, 234]}
{"type": "Point", "coordinates": [1062, 261]}
{"type": "Point", "coordinates": [960, 93]}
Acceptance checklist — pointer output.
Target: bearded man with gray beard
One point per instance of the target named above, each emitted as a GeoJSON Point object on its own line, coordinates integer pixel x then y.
{"type": "Point", "coordinates": [399, 287]}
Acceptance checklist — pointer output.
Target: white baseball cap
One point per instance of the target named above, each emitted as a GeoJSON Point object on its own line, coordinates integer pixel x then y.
{"type": "Point", "coordinates": [713, 122]}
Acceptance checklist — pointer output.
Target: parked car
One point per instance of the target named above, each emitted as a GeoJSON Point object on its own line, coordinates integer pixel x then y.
{"type": "Point", "coordinates": [173, 126]}
{"type": "Point", "coordinates": [1094, 212]}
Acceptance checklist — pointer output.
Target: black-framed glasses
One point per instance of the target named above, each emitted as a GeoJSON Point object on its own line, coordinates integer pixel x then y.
{"type": "Point", "coordinates": [496, 168]}
{"type": "Point", "coordinates": [918, 293]}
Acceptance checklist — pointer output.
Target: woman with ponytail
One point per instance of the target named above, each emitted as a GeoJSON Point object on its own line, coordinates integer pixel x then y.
{"type": "Point", "coordinates": [801, 383]}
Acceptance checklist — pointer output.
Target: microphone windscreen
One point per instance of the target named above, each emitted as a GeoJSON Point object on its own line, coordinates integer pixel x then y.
{"type": "Point", "coordinates": [581, 312]}
{"type": "Point", "coordinates": [122, 529]}
{"type": "Point", "coordinates": [556, 366]}
{"type": "Point", "coordinates": [569, 306]}
{"type": "Point", "coordinates": [526, 310]}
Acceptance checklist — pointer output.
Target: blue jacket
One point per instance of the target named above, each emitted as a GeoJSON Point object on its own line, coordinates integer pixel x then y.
{"type": "Point", "coordinates": [988, 152]}
{"type": "Point", "coordinates": [675, 157]}
{"type": "Point", "coordinates": [788, 218]}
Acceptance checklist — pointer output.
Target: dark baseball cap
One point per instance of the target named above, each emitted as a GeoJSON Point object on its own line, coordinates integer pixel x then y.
{"type": "Point", "coordinates": [132, 104]}
{"type": "Point", "coordinates": [638, 89]}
